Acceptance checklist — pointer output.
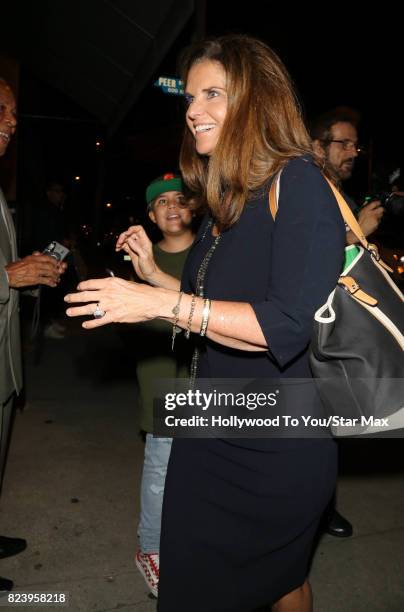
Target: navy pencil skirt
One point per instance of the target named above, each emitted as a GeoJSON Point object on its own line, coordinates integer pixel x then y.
{"type": "Point", "coordinates": [239, 522]}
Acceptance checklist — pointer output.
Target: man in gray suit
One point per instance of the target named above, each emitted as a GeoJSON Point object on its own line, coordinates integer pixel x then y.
{"type": "Point", "coordinates": [14, 274]}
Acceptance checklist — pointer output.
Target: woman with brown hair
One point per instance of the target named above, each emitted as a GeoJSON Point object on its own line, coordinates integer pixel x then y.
{"type": "Point", "coordinates": [240, 515]}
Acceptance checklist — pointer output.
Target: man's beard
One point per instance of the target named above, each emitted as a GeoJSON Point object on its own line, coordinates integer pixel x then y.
{"type": "Point", "coordinates": [346, 169]}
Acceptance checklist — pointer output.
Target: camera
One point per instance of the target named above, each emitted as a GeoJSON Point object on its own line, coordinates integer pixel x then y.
{"type": "Point", "coordinates": [392, 202]}
{"type": "Point", "coordinates": [390, 191]}
{"type": "Point", "coordinates": [56, 250]}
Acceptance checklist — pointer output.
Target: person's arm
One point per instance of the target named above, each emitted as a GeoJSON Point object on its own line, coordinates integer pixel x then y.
{"type": "Point", "coordinates": [164, 280]}
{"type": "Point", "coordinates": [307, 257]}
{"type": "Point", "coordinates": [308, 254]}
{"type": "Point", "coordinates": [35, 269]}
{"type": "Point", "coordinates": [232, 324]}
{"type": "Point", "coordinates": [369, 218]}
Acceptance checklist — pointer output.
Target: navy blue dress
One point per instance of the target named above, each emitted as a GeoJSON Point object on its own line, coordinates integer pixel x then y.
{"type": "Point", "coordinates": [240, 516]}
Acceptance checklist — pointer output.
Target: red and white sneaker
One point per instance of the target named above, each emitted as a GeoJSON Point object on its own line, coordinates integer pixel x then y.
{"type": "Point", "coordinates": [148, 565]}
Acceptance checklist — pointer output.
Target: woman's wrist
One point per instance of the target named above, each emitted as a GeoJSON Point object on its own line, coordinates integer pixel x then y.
{"type": "Point", "coordinates": [153, 277]}
{"type": "Point", "coordinates": [164, 303]}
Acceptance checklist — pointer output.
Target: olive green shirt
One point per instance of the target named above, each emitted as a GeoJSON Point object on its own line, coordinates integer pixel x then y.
{"type": "Point", "coordinates": [155, 359]}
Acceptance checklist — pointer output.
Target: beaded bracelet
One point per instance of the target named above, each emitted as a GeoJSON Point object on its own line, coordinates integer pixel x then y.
{"type": "Point", "coordinates": [191, 314]}
{"type": "Point", "coordinates": [176, 313]}
{"type": "Point", "coordinates": [205, 317]}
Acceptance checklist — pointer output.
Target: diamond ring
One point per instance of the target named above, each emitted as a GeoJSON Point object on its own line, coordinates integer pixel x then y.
{"type": "Point", "coordinates": [98, 312]}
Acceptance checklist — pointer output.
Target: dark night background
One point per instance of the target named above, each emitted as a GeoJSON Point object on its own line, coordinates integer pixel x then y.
{"type": "Point", "coordinates": [335, 59]}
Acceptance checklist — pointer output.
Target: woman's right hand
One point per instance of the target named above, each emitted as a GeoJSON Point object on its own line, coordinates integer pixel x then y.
{"type": "Point", "coordinates": [118, 301]}
{"type": "Point", "coordinates": [136, 243]}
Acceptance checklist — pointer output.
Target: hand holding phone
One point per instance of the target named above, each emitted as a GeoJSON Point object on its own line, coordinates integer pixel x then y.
{"type": "Point", "coordinates": [56, 250]}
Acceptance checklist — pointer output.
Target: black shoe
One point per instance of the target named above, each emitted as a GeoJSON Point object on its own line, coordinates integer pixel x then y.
{"type": "Point", "coordinates": [5, 584]}
{"type": "Point", "coordinates": [11, 546]}
{"type": "Point", "coordinates": [338, 526]}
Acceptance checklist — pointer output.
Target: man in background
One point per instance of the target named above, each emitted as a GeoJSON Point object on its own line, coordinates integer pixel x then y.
{"type": "Point", "coordinates": [335, 140]}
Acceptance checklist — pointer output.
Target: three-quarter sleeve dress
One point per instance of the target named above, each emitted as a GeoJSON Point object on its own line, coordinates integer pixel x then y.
{"type": "Point", "coordinates": [240, 515]}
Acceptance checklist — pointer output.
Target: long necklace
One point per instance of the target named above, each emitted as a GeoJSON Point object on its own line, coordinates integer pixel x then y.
{"type": "Point", "coordinates": [200, 287]}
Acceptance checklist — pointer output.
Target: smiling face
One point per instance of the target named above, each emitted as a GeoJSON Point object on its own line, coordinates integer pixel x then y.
{"type": "Point", "coordinates": [206, 96]}
{"type": "Point", "coordinates": [171, 213]}
{"type": "Point", "coordinates": [8, 118]}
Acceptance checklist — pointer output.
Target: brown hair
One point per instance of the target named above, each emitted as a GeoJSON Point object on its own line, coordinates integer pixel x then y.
{"type": "Point", "coordinates": [320, 127]}
{"type": "Point", "coordinates": [263, 127]}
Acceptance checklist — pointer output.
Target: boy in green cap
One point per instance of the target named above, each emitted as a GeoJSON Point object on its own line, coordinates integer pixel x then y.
{"type": "Point", "coordinates": [170, 211]}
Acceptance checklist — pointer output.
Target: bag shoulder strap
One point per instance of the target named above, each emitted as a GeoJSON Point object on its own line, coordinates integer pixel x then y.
{"type": "Point", "coordinates": [344, 208]}
{"type": "Point", "coordinates": [274, 194]}
{"type": "Point", "coordinates": [348, 215]}
{"type": "Point", "coordinates": [346, 212]}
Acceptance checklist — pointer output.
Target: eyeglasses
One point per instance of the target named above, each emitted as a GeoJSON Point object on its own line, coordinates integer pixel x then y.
{"type": "Point", "coordinates": [347, 145]}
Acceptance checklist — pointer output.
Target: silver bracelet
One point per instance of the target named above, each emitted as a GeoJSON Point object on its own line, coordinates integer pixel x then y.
{"type": "Point", "coordinates": [191, 314]}
{"type": "Point", "coordinates": [176, 313]}
{"type": "Point", "coordinates": [205, 317]}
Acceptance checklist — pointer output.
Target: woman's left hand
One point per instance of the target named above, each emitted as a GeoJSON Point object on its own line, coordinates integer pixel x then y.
{"type": "Point", "coordinates": [115, 300]}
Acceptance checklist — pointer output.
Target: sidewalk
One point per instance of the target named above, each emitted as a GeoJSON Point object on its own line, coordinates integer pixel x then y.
{"type": "Point", "coordinates": [71, 489]}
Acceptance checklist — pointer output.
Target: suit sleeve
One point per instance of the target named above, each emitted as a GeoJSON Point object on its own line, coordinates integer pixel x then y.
{"type": "Point", "coordinates": [4, 286]}
{"type": "Point", "coordinates": [306, 260]}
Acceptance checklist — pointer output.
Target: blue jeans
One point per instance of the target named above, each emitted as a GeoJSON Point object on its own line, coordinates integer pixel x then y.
{"type": "Point", "coordinates": [156, 455]}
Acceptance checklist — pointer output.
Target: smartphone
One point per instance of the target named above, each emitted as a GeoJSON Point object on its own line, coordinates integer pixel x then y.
{"type": "Point", "coordinates": [56, 250]}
